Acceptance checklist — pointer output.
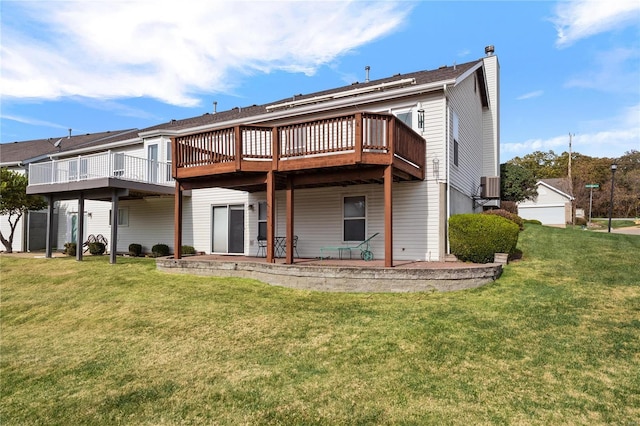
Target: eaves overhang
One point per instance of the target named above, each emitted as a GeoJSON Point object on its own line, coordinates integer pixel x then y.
{"type": "Point", "coordinates": [94, 148]}
{"type": "Point", "coordinates": [323, 106]}
{"type": "Point", "coordinates": [554, 189]}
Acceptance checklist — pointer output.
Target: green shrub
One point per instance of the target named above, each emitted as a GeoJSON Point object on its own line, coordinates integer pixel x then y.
{"type": "Point", "coordinates": [477, 237]}
{"type": "Point", "coordinates": [507, 215]}
{"type": "Point", "coordinates": [533, 221]}
{"type": "Point", "coordinates": [160, 250]}
{"type": "Point", "coordinates": [188, 250]}
{"type": "Point", "coordinates": [581, 221]}
{"type": "Point", "coordinates": [135, 250]}
{"type": "Point", "coordinates": [96, 248]}
{"type": "Point", "coordinates": [70, 249]}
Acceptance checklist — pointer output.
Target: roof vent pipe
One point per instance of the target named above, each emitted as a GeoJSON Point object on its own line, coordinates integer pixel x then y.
{"type": "Point", "coordinates": [366, 70]}
{"type": "Point", "coordinates": [69, 137]}
{"type": "Point", "coordinates": [489, 50]}
{"type": "Point", "coordinates": [215, 107]}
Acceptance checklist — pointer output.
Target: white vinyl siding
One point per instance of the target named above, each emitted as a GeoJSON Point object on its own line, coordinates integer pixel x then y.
{"type": "Point", "coordinates": [491, 119]}
{"type": "Point", "coordinates": [318, 219]}
{"type": "Point", "coordinates": [465, 178]}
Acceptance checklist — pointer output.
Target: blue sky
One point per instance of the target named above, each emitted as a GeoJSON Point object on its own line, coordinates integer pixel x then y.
{"type": "Point", "coordinates": [566, 67]}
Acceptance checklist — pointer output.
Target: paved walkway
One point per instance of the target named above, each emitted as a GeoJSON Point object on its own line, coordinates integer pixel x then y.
{"type": "Point", "coordinates": [631, 230]}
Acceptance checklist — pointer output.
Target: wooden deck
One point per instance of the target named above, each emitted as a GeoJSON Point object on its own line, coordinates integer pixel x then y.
{"type": "Point", "coordinates": [343, 150]}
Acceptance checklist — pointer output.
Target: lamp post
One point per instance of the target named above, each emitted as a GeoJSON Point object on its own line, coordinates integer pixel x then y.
{"type": "Point", "coordinates": [614, 167]}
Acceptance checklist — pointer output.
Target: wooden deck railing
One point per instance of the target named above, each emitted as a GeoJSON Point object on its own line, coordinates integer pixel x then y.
{"type": "Point", "coordinates": [357, 133]}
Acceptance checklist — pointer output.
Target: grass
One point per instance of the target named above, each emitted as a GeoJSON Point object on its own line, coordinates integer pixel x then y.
{"type": "Point", "coordinates": [556, 340]}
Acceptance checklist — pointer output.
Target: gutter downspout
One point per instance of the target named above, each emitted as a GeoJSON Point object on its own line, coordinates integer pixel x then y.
{"type": "Point", "coordinates": [447, 161]}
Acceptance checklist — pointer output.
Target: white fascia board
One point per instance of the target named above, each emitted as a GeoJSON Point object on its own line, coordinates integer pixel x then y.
{"type": "Point", "coordinates": [12, 164]}
{"type": "Point", "coordinates": [308, 109]}
{"type": "Point", "coordinates": [554, 189]}
{"type": "Point", "coordinates": [469, 72]}
{"type": "Point", "coordinates": [96, 148]}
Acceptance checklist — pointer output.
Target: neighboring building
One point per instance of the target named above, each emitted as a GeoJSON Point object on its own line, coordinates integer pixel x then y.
{"type": "Point", "coordinates": [395, 156]}
{"type": "Point", "coordinates": [552, 206]}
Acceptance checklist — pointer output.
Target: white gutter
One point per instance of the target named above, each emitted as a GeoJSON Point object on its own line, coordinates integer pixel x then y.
{"type": "Point", "coordinates": [470, 71]}
{"type": "Point", "coordinates": [306, 109]}
{"type": "Point", "coordinates": [346, 93]}
{"type": "Point", "coordinates": [95, 148]}
{"type": "Point", "coordinates": [12, 164]}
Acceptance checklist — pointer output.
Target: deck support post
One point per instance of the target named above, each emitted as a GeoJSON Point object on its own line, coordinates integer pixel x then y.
{"type": "Point", "coordinates": [388, 216]}
{"type": "Point", "coordinates": [289, 255]}
{"type": "Point", "coordinates": [177, 222]}
{"type": "Point", "coordinates": [271, 189]}
{"type": "Point", "coordinates": [80, 228]}
{"type": "Point", "coordinates": [49, 242]}
{"type": "Point", "coordinates": [113, 252]}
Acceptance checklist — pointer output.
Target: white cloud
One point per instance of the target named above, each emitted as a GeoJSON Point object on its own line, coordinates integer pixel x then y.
{"type": "Point", "coordinates": [614, 71]}
{"type": "Point", "coordinates": [171, 51]}
{"type": "Point", "coordinates": [579, 19]}
{"type": "Point", "coordinates": [33, 121]}
{"type": "Point", "coordinates": [534, 94]}
{"type": "Point", "coordinates": [607, 138]}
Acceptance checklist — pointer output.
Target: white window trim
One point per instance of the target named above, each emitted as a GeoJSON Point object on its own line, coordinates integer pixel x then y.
{"type": "Point", "coordinates": [123, 212]}
{"type": "Point", "coordinates": [366, 220]}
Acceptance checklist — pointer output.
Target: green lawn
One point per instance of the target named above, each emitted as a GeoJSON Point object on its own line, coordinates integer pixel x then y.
{"type": "Point", "coordinates": [556, 340]}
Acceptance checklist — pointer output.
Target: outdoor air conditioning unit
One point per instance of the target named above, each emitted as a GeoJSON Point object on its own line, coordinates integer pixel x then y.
{"type": "Point", "coordinates": [490, 187]}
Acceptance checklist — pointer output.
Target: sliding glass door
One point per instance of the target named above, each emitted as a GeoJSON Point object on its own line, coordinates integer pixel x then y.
{"type": "Point", "coordinates": [227, 229]}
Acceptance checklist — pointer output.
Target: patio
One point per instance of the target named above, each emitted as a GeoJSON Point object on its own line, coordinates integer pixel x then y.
{"type": "Point", "coordinates": [335, 275]}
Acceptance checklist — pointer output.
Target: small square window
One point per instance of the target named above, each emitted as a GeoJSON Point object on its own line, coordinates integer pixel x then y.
{"type": "Point", "coordinates": [123, 216]}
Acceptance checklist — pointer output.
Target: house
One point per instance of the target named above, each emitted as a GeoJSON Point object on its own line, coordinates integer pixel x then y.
{"type": "Point", "coordinates": [552, 206]}
{"type": "Point", "coordinates": [395, 156]}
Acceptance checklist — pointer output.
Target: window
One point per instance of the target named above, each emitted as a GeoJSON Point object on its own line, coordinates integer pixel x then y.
{"type": "Point", "coordinates": [262, 220]}
{"type": "Point", "coordinates": [406, 118]}
{"type": "Point", "coordinates": [152, 161]}
{"type": "Point", "coordinates": [354, 218]}
{"type": "Point", "coordinates": [123, 217]}
{"type": "Point", "coordinates": [73, 169]}
{"type": "Point", "coordinates": [456, 126]}
{"type": "Point", "coordinates": [295, 140]}
{"type": "Point", "coordinates": [168, 175]}
{"type": "Point", "coordinates": [118, 164]}
{"type": "Point", "coordinates": [455, 152]}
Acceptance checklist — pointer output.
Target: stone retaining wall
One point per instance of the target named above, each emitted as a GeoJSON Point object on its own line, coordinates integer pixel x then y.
{"type": "Point", "coordinates": [341, 279]}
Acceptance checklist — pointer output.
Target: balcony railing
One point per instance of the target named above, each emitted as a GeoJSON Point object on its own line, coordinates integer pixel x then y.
{"type": "Point", "coordinates": [103, 165]}
{"type": "Point", "coordinates": [361, 133]}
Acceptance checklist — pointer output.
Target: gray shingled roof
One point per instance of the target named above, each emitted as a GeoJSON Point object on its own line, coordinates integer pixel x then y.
{"type": "Point", "coordinates": [561, 184]}
{"type": "Point", "coordinates": [25, 150]}
{"type": "Point", "coordinates": [21, 151]}
{"type": "Point", "coordinates": [422, 77]}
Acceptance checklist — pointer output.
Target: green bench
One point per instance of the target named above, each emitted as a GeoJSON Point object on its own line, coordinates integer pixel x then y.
{"type": "Point", "coordinates": [364, 248]}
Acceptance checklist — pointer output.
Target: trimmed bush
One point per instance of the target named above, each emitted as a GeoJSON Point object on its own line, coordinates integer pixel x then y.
{"type": "Point", "coordinates": [477, 237]}
{"type": "Point", "coordinates": [135, 250]}
{"type": "Point", "coordinates": [160, 250]}
{"type": "Point", "coordinates": [96, 248]}
{"type": "Point", "coordinates": [533, 221]}
{"type": "Point", "coordinates": [70, 249]}
{"type": "Point", "coordinates": [507, 215]}
{"type": "Point", "coordinates": [188, 250]}
{"type": "Point", "coordinates": [581, 221]}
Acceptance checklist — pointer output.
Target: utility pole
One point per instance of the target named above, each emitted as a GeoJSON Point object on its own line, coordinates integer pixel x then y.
{"type": "Point", "coordinates": [573, 206]}
{"type": "Point", "coordinates": [569, 171]}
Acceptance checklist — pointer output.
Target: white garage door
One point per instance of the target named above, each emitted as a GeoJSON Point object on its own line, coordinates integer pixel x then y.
{"type": "Point", "coordinates": [548, 215]}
